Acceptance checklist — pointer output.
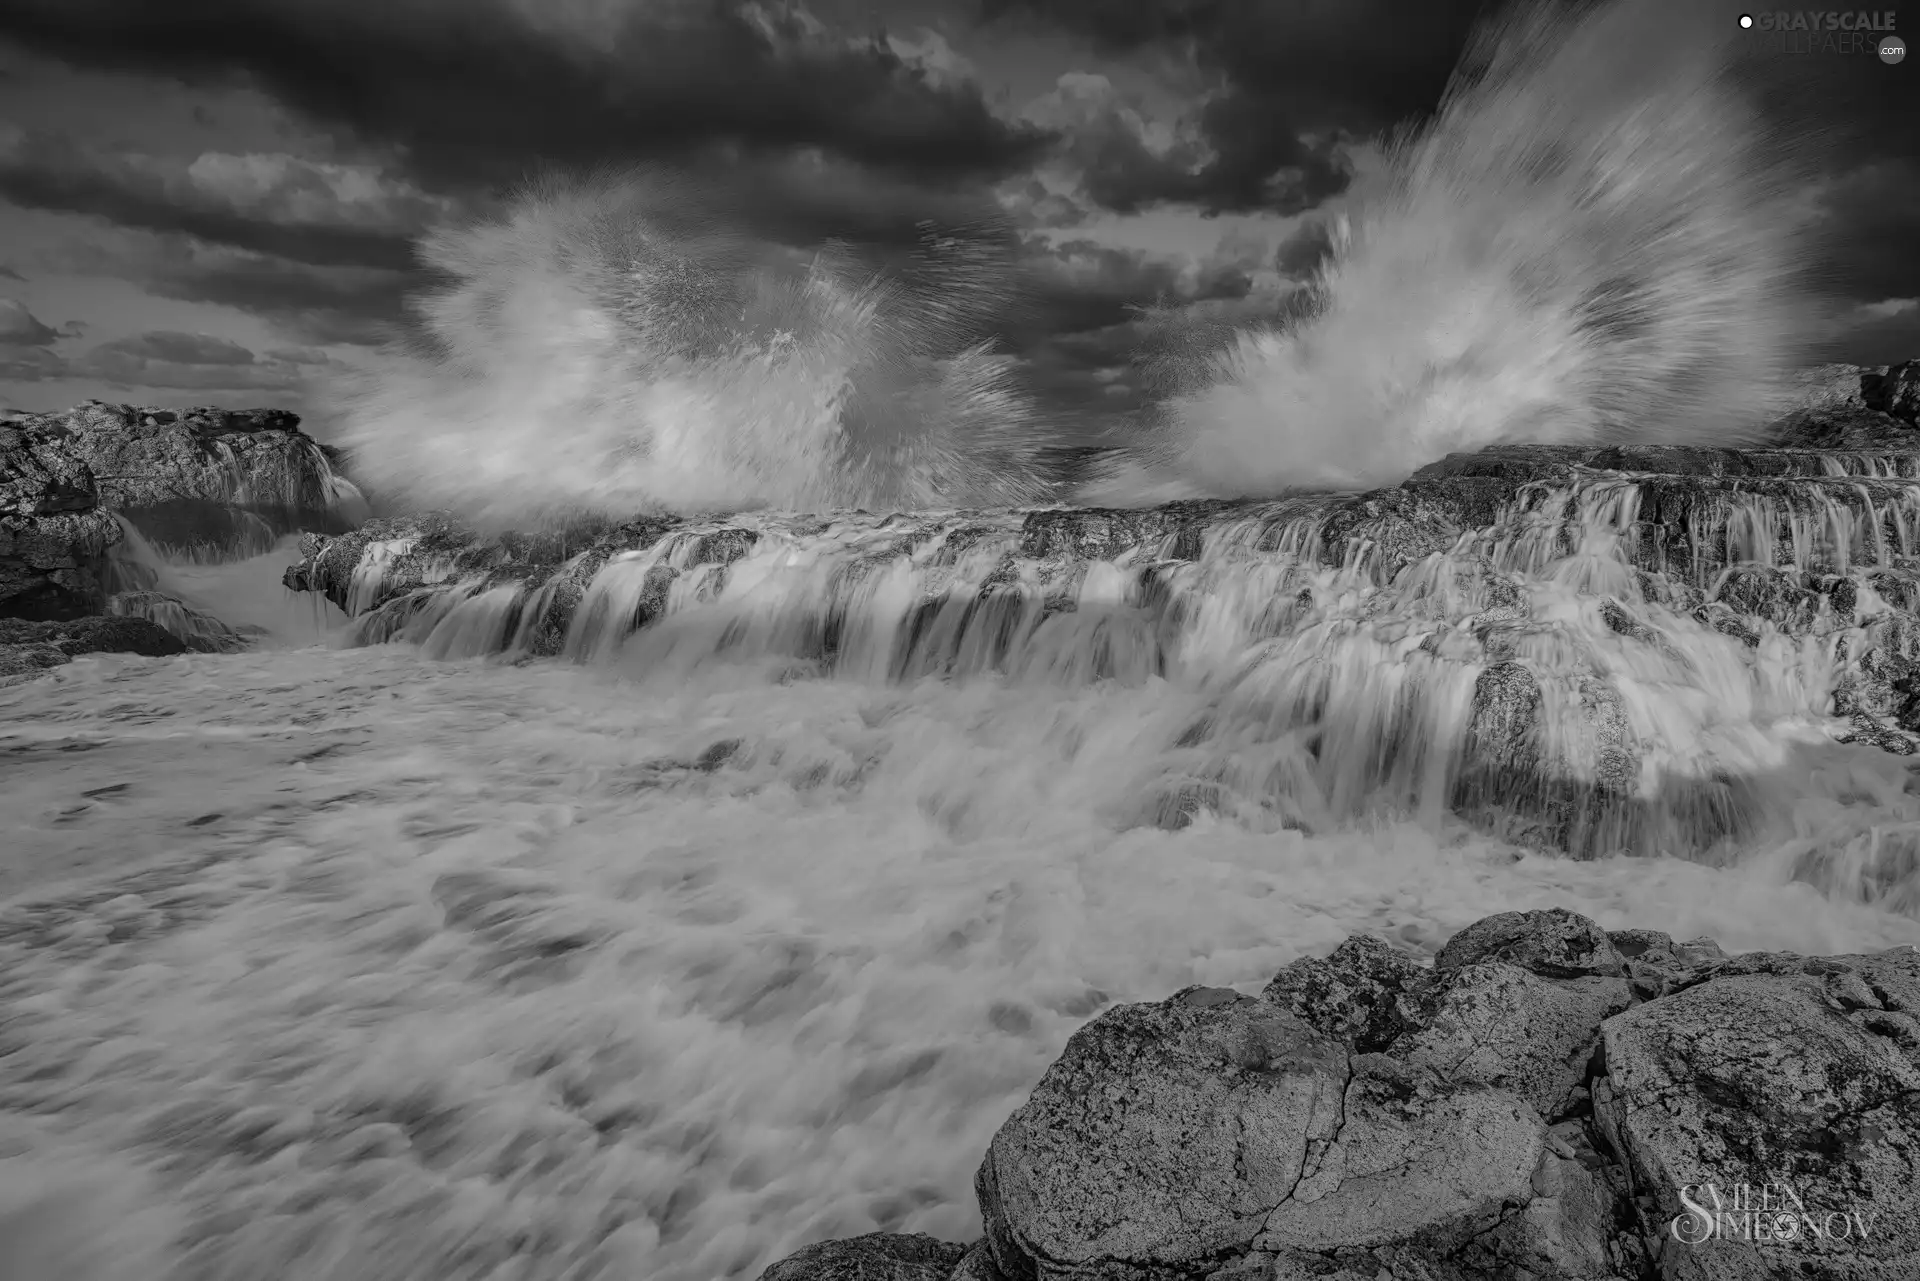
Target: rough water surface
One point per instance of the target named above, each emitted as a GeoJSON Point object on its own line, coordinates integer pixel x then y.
{"type": "Point", "coordinates": [357, 964]}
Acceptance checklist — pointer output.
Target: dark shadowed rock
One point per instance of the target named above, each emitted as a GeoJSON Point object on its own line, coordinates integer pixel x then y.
{"type": "Point", "coordinates": [28, 647]}
{"type": "Point", "coordinates": [197, 479]}
{"type": "Point", "coordinates": [878, 1256]}
{"type": "Point", "coordinates": [1555, 944]}
{"type": "Point", "coordinates": [1656, 965]}
{"type": "Point", "coordinates": [1359, 995]}
{"type": "Point", "coordinates": [55, 566]}
{"type": "Point", "coordinates": [94, 636]}
{"type": "Point", "coordinates": [205, 477]}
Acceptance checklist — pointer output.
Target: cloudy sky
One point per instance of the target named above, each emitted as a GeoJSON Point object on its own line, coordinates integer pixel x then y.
{"type": "Point", "coordinates": [214, 201]}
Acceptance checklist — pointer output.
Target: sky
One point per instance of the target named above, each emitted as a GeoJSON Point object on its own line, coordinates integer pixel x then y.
{"type": "Point", "coordinates": [218, 201]}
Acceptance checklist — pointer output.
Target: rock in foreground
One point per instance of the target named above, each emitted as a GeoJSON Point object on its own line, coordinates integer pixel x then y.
{"type": "Point", "coordinates": [196, 481]}
{"type": "Point", "coordinates": [1545, 1101]}
{"type": "Point", "coordinates": [28, 648]}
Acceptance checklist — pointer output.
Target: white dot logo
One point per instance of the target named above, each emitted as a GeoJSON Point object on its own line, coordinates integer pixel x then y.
{"type": "Point", "coordinates": [1746, 21]}
{"type": "Point", "coordinates": [1892, 49]}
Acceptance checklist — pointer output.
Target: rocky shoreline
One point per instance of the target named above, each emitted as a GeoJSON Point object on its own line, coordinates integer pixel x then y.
{"type": "Point", "coordinates": [199, 483]}
{"type": "Point", "coordinates": [1546, 1100]}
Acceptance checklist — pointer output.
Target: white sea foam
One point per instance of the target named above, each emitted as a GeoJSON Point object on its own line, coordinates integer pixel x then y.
{"type": "Point", "coordinates": [1595, 239]}
{"type": "Point", "coordinates": [747, 930]}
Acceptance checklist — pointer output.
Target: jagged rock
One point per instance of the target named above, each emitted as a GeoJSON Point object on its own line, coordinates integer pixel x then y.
{"type": "Point", "coordinates": [1797, 1079]}
{"type": "Point", "coordinates": [391, 565]}
{"type": "Point", "coordinates": [1514, 1001]}
{"type": "Point", "coordinates": [188, 479]}
{"type": "Point", "coordinates": [1554, 944]}
{"type": "Point", "coordinates": [38, 477]}
{"type": "Point", "coordinates": [55, 566]}
{"type": "Point", "coordinates": [28, 648]}
{"type": "Point", "coordinates": [1894, 392]}
{"type": "Point", "coordinates": [1319, 1132]}
{"type": "Point", "coordinates": [1656, 965]}
{"type": "Point", "coordinates": [977, 1265]}
{"type": "Point", "coordinates": [878, 1256]}
{"type": "Point", "coordinates": [1354, 995]}
{"type": "Point", "coordinates": [199, 477]}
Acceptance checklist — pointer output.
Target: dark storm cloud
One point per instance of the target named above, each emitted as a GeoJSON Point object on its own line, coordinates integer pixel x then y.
{"type": "Point", "coordinates": [172, 347]}
{"type": "Point", "coordinates": [9, 273]}
{"type": "Point", "coordinates": [476, 91]}
{"type": "Point", "coordinates": [1080, 286]}
{"type": "Point", "coordinates": [286, 212]}
{"type": "Point", "coordinates": [21, 328]}
{"type": "Point", "coordinates": [310, 304]}
{"type": "Point", "coordinates": [1294, 79]}
{"type": "Point", "coordinates": [1873, 236]}
{"type": "Point", "coordinates": [1237, 161]}
{"type": "Point", "coordinates": [1303, 251]}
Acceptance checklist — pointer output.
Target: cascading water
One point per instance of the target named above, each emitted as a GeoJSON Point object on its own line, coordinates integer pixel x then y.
{"type": "Point", "coordinates": [754, 865]}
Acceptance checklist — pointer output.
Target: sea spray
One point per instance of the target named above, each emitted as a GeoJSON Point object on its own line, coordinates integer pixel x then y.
{"type": "Point", "coordinates": [592, 352]}
{"type": "Point", "coordinates": [1595, 239]}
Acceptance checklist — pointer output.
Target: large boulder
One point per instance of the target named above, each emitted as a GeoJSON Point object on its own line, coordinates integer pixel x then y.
{"type": "Point", "coordinates": [193, 481]}
{"type": "Point", "coordinates": [202, 479]}
{"type": "Point", "coordinates": [28, 648]}
{"type": "Point", "coordinates": [53, 536]}
{"type": "Point", "coordinates": [878, 1256]}
{"type": "Point", "coordinates": [1770, 1118]}
{"type": "Point", "coordinates": [1545, 1100]}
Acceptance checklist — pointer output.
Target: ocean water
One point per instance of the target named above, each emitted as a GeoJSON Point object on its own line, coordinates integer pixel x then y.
{"type": "Point", "coordinates": [327, 962]}
{"type": "Point", "coordinates": [377, 950]}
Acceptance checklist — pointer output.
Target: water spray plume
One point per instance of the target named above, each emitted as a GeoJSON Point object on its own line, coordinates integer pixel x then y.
{"type": "Point", "coordinates": [595, 352]}
{"type": "Point", "coordinates": [1594, 239]}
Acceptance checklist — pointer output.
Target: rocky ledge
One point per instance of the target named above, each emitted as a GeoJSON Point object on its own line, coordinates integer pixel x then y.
{"type": "Point", "coordinates": [1547, 1100]}
{"type": "Point", "coordinates": [29, 648]}
{"type": "Point", "coordinates": [191, 481]}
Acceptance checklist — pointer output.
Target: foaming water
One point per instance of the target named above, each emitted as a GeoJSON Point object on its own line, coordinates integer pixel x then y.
{"type": "Point", "coordinates": [1568, 672]}
{"type": "Point", "coordinates": [217, 600]}
{"type": "Point", "coordinates": [399, 965]}
{"type": "Point", "coordinates": [1596, 239]}
{"type": "Point", "coordinates": [592, 353]}
{"type": "Point", "coordinates": [742, 917]}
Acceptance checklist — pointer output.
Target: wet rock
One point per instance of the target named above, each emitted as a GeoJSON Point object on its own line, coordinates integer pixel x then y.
{"type": "Point", "coordinates": [28, 648]}
{"type": "Point", "coordinates": [1097, 534]}
{"type": "Point", "coordinates": [1413, 1169]}
{"type": "Point", "coordinates": [37, 476]}
{"type": "Point", "coordinates": [203, 477]}
{"type": "Point", "coordinates": [1790, 1088]}
{"type": "Point", "coordinates": [878, 1256]}
{"type": "Point", "coordinates": [1217, 1136]}
{"type": "Point", "coordinates": [55, 566]}
{"type": "Point", "coordinates": [1657, 966]}
{"type": "Point", "coordinates": [1894, 391]}
{"type": "Point", "coordinates": [1164, 1136]}
{"type": "Point", "coordinates": [1514, 1002]}
{"type": "Point", "coordinates": [1554, 943]}
{"type": "Point", "coordinates": [1500, 1025]}
{"type": "Point", "coordinates": [1358, 995]}
{"type": "Point", "coordinates": [193, 479]}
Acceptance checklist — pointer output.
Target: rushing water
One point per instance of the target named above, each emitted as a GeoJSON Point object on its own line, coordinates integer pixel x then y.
{"type": "Point", "coordinates": [666, 957]}
{"type": "Point", "coordinates": [379, 949]}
